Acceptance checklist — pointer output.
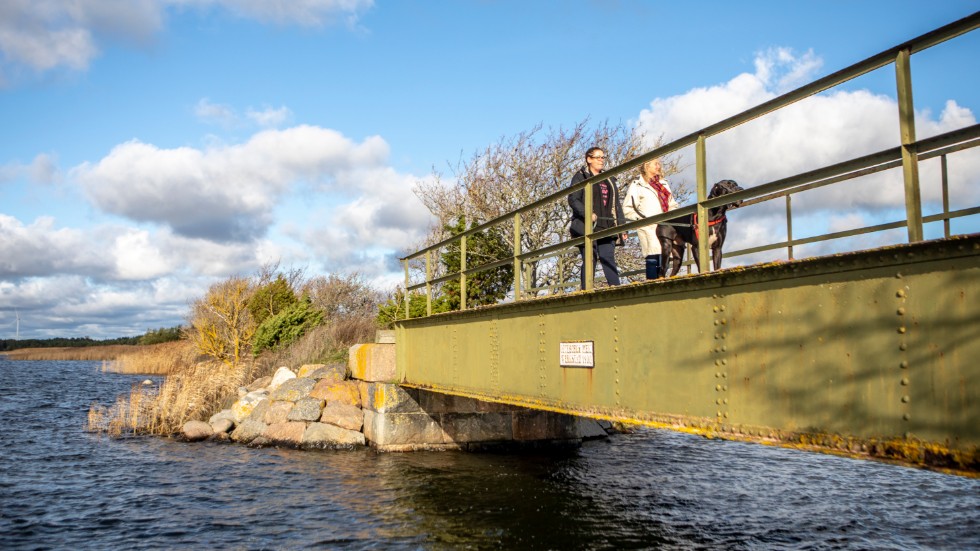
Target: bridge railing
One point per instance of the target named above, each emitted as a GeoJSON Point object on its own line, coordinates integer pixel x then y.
{"type": "Point", "coordinates": [907, 155]}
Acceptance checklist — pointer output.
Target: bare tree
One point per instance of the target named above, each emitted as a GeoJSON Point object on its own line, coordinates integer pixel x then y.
{"type": "Point", "coordinates": [519, 170]}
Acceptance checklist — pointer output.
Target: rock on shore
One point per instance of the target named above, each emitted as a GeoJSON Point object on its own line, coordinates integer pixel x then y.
{"type": "Point", "coordinates": [314, 407]}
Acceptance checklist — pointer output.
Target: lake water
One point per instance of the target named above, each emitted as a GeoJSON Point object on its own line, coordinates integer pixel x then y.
{"type": "Point", "coordinates": [63, 488]}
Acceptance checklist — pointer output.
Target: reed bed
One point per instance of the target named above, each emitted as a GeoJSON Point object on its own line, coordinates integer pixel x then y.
{"type": "Point", "coordinates": [154, 359]}
{"type": "Point", "coordinates": [86, 353]}
{"type": "Point", "coordinates": [191, 392]}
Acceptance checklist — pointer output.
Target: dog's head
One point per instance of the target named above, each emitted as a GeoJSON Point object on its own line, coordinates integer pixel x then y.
{"type": "Point", "coordinates": [725, 187]}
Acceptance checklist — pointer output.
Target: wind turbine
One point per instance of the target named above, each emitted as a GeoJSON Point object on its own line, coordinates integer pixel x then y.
{"type": "Point", "coordinates": [17, 313]}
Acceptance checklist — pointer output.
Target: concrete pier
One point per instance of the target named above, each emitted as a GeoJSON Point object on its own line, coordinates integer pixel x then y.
{"type": "Point", "coordinates": [406, 419]}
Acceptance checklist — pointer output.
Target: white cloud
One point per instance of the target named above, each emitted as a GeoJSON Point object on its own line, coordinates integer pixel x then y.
{"type": "Point", "coordinates": [269, 117]}
{"type": "Point", "coordinates": [41, 249]}
{"type": "Point", "coordinates": [305, 196]}
{"type": "Point", "coordinates": [137, 258]}
{"type": "Point", "coordinates": [215, 113]}
{"type": "Point", "coordinates": [42, 170]}
{"type": "Point", "coordinates": [386, 217]}
{"type": "Point", "coordinates": [226, 116]}
{"type": "Point", "coordinates": [224, 193]}
{"type": "Point", "coordinates": [46, 35]}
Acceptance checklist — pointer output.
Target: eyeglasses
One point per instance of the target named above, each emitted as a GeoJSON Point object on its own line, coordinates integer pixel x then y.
{"type": "Point", "coordinates": [600, 157]}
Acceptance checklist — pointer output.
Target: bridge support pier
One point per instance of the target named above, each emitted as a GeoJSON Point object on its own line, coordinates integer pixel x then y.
{"type": "Point", "coordinates": [410, 419]}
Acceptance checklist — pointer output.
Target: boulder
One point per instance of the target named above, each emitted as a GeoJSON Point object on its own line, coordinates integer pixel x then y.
{"type": "Point", "coordinates": [306, 370]}
{"type": "Point", "coordinates": [259, 383]}
{"type": "Point", "coordinates": [344, 392]}
{"type": "Point", "coordinates": [222, 426]}
{"type": "Point", "coordinates": [344, 416]}
{"type": "Point", "coordinates": [278, 412]}
{"type": "Point", "coordinates": [305, 409]}
{"type": "Point", "coordinates": [322, 435]}
{"type": "Point", "coordinates": [281, 375]}
{"type": "Point", "coordinates": [243, 407]}
{"type": "Point", "coordinates": [195, 431]}
{"type": "Point", "coordinates": [260, 410]}
{"type": "Point", "coordinates": [293, 389]}
{"type": "Point", "coordinates": [248, 431]}
{"type": "Point", "coordinates": [334, 372]}
{"type": "Point", "coordinates": [223, 414]}
{"type": "Point", "coordinates": [289, 433]}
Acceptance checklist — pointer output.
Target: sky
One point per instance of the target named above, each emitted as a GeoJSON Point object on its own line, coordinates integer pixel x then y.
{"type": "Point", "coordinates": [150, 148]}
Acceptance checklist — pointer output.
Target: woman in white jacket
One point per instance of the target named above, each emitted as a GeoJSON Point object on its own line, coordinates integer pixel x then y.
{"type": "Point", "coordinates": [648, 195]}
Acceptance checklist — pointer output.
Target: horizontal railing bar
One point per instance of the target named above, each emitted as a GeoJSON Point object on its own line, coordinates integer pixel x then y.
{"type": "Point", "coordinates": [850, 233]}
{"type": "Point", "coordinates": [948, 142]}
{"type": "Point", "coordinates": [951, 215]}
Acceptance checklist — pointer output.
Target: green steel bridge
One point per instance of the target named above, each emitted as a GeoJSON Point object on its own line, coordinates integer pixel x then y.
{"type": "Point", "coordinates": [872, 353]}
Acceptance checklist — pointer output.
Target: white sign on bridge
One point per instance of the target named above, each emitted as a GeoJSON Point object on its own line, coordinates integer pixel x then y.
{"type": "Point", "coordinates": [576, 354]}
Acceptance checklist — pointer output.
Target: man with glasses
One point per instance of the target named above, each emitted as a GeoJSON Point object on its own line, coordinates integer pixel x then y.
{"type": "Point", "coordinates": [607, 212]}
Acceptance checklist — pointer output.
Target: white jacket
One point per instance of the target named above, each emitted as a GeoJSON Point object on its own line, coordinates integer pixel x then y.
{"type": "Point", "coordinates": [642, 202]}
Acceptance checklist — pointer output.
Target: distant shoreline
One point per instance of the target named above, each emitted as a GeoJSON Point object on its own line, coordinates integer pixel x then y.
{"type": "Point", "coordinates": [89, 353]}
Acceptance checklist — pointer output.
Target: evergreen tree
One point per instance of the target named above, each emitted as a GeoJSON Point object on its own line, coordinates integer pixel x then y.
{"type": "Point", "coordinates": [484, 287]}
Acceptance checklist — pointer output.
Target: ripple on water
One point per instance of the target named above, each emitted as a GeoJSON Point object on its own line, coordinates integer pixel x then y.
{"type": "Point", "coordinates": [61, 487]}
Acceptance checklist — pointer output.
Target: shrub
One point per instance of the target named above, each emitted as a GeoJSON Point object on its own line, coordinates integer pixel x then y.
{"type": "Point", "coordinates": [287, 326]}
{"type": "Point", "coordinates": [271, 299]}
{"type": "Point", "coordinates": [221, 325]}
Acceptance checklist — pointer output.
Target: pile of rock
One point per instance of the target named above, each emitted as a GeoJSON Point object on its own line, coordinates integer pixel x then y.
{"type": "Point", "coordinates": [315, 407]}
{"type": "Point", "coordinates": [360, 403]}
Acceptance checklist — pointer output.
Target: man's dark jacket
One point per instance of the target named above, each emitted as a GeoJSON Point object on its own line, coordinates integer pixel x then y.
{"type": "Point", "coordinates": [605, 213]}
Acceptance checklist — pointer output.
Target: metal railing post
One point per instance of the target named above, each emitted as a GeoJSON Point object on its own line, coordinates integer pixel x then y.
{"type": "Point", "coordinates": [517, 254]}
{"type": "Point", "coordinates": [587, 262]}
{"type": "Point", "coordinates": [408, 312]}
{"type": "Point", "coordinates": [910, 161]}
{"type": "Point", "coordinates": [428, 286]}
{"type": "Point", "coordinates": [462, 273]}
{"type": "Point", "coordinates": [945, 180]}
{"type": "Point", "coordinates": [789, 227]}
{"type": "Point", "coordinates": [702, 226]}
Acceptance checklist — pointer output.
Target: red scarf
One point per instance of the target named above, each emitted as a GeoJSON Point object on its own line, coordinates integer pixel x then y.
{"type": "Point", "coordinates": [662, 193]}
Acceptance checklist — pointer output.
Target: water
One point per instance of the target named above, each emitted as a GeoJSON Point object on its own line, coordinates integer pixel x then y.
{"type": "Point", "coordinates": [63, 488]}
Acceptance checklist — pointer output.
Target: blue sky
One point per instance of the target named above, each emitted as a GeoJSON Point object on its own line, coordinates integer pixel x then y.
{"type": "Point", "coordinates": [152, 147]}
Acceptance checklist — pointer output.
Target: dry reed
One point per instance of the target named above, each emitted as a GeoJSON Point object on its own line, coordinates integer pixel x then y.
{"type": "Point", "coordinates": [86, 353]}
{"type": "Point", "coordinates": [191, 392]}
{"type": "Point", "coordinates": [155, 359]}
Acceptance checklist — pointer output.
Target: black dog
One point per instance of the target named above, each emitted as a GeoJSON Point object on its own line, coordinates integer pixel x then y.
{"type": "Point", "coordinates": [674, 238]}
